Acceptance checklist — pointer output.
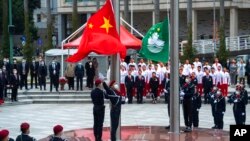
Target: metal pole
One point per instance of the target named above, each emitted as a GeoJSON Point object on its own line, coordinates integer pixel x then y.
{"type": "Point", "coordinates": [10, 34]}
{"type": "Point", "coordinates": [174, 77]}
{"type": "Point", "coordinates": [214, 14]}
{"type": "Point", "coordinates": [115, 59]}
{"type": "Point", "coordinates": [132, 15]}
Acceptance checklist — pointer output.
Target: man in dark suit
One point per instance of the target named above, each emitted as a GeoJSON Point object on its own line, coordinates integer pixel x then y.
{"type": "Point", "coordinates": [140, 85]}
{"type": "Point", "coordinates": [14, 83]}
{"type": "Point", "coordinates": [33, 73]}
{"type": "Point", "coordinates": [90, 72]}
{"type": "Point", "coordinates": [154, 86]}
{"type": "Point", "coordinates": [79, 73]}
{"type": "Point", "coordinates": [54, 70]}
{"type": "Point", "coordinates": [23, 72]}
{"type": "Point", "coordinates": [207, 82]}
{"type": "Point", "coordinates": [129, 84]}
{"type": "Point", "coordinates": [2, 86]}
{"type": "Point", "coordinates": [42, 73]}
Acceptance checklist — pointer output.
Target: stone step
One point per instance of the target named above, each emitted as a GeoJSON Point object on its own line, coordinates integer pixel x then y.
{"type": "Point", "coordinates": [53, 96]}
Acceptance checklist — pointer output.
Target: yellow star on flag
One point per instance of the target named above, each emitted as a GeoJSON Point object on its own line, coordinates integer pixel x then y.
{"type": "Point", "coordinates": [106, 24]}
{"type": "Point", "coordinates": [90, 25]}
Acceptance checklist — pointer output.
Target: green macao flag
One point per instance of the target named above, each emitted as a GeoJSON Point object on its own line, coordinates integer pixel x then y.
{"type": "Point", "coordinates": [155, 45]}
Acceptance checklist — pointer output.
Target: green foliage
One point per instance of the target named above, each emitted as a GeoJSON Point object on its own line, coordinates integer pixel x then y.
{"type": "Point", "coordinates": [5, 40]}
{"type": "Point", "coordinates": [75, 17]}
{"type": "Point", "coordinates": [222, 53]}
{"type": "Point", "coordinates": [188, 51]}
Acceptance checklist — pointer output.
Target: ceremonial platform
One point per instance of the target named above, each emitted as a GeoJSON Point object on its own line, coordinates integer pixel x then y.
{"type": "Point", "coordinates": [149, 133]}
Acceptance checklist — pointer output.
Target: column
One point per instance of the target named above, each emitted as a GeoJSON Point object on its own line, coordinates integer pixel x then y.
{"type": "Point", "coordinates": [194, 24]}
{"type": "Point", "coordinates": [233, 22]}
{"type": "Point", "coordinates": [61, 28]}
{"type": "Point", "coordinates": [153, 17]}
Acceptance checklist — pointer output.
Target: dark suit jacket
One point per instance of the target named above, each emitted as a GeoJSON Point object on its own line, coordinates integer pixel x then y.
{"type": "Point", "coordinates": [42, 71]}
{"type": "Point", "coordinates": [34, 68]}
{"type": "Point", "coordinates": [129, 82]}
{"type": "Point", "coordinates": [20, 69]}
{"type": "Point", "coordinates": [14, 81]}
{"type": "Point", "coordinates": [207, 83]}
{"type": "Point", "coordinates": [57, 69]}
{"type": "Point", "coordinates": [79, 71]}
{"type": "Point", "coordinates": [139, 83]}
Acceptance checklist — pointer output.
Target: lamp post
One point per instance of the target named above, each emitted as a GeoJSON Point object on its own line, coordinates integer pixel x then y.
{"type": "Point", "coordinates": [10, 31]}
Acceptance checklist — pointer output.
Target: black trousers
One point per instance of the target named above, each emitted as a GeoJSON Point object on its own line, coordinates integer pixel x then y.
{"type": "Point", "coordinates": [206, 93]}
{"type": "Point", "coordinates": [54, 81]}
{"type": "Point", "coordinates": [166, 96]}
{"type": "Point", "coordinates": [98, 112]}
{"type": "Point", "coordinates": [42, 82]}
{"type": "Point", "coordinates": [154, 94]}
{"type": "Point", "coordinates": [195, 117]}
{"type": "Point", "coordinates": [24, 81]}
{"type": "Point", "coordinates": [1, 92]}
{"type": "Point", "coordinates": [239, 118]}
{"type": "Point", "coordinates": [90, 81]}
{"type": "Point", "coordinates": [115, 116]}
{"type": "Point", "coordinates": [32, 78]}
{"type": "Point", "coordinates": [213, 113]}
{"type": "Point", "coordinates": [71, 82]}
{"type": "Point", "coordinates": [187, 112]}
{"type": "Point", "coordinates": [130, 94]}
{"type": "Point", "coordinates": [139, 95]}
{"type": "Point", "coordinates": [14, 94]}
{"type": "Point", "coordinates": [79, 83]}
{"type": "Point", "coordinates": [218, 116]}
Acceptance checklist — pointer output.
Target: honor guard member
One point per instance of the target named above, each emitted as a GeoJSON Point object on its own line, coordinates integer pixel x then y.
{"type": "Point", "coordinates": [166, 88]}
{"type": "Point", "coordinates": [79, 73]}
{"type": "Point", "coordinates": [181, 78]}
{"type": "Point", "coordinates": [14, 83]}
{"type": "Point", "coordinates": [2, 86]}
{"type": "Point", "coordinates": [189, 90]}
{"type": "Point", "coordinates": [4, 135]}
{"type": "Point", "coordinates": [90, 73]}
{"type": "Point", "coordinates": [23, 72]}
{"type": "Point", "coordinates": [239, 108]}
{"type": "Point", "coordinates": [97, 96]}
{"type": "Point", "coordinates": [140, 85]}
{"type": "Point", "coordinates": [42, 73]}
{"type": "Point", "coordinates": [58, 132]}
{"type": "Point", "coordinates": [207, 82]}
{"type": "Point", "coordinates": [25, 129]}
{"type": "Point", "coordinates": [54, 70]}
{"type": "Point", "coordinates": [211, 99]}
{"type": "Point", "coordinates": [219, 110]}
{"type": "Point", "coordinates": [116, 101]}
{"type": "Point", "coordinates": [245, 94]}
{"type": "Point", "coordinates": [196, 105]}
{"type": "Point", "coordinates": [129, 84]}
{"type": "Point", "coordinates": [34, 73]}
{"type": "Point", "coordinates": [154, 86]}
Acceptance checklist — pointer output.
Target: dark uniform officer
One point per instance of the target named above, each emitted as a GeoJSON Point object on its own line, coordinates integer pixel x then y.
{"type": "Point", "coordinates": [23, 72]}
{"type": "Point", "coordinates": [90, 72]}
{"type": "Point", "coordinates": [2, 86]}
{"type": "Point", "coordinates": [54, 70]}
{"type": "Point", "coordinates": [58, 131]}
{"type": "Point", "coordinates": [116, 101]}
{"type": "Point", "coordinates": [166, 89]}
{"type": "Point", "coordinates": [140, 85]}
{"type": "Point", "coordinates": [219, 110]}
{"type": "Point", "coordinates": [14, 83]}
{"type": "Point", "coordinates": [154, 85]}
{"type": "Point", "coordinates": [207, 82]}
{"type": "Point", "coordinates": [129, 84]}
{"type": "Point", "coordinates": [42, 73]}
{"type": "Point", "coordinates": [79, 73]}
{"type": "Point", "coordinates": [25, 129]}
{"type": "Point", "coordinates": [97, 96]}
{"type": "Point", "coordinates": [188, 90]}
{"type": "Point", "coordinates": [4, 135]}
{"type": "Point", "coordinates": [239, 108]}
{"type": "Point", "coordinates": [245, 94]}
{"type": "Point", "coordinates": [181, 78]}
{"type": "Point", "coordinates": [196, 105]}
{"type": "Point", "coordinates": [211, 98]}
{"type": "Point", "coordinates": [33, 73]}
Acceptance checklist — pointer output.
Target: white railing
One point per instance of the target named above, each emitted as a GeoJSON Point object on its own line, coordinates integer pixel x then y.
{"type": "Point", "coordinates": [237, 43]}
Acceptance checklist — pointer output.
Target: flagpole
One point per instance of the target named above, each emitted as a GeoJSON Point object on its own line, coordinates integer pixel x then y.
{"type": "Point", "coordinates": [174, 77]}
{"type": "Point", "coordinates": [115, 59]}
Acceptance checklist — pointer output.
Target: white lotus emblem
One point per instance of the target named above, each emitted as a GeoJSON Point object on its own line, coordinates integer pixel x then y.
{"type": "Point", "coordinates": [155, 45]}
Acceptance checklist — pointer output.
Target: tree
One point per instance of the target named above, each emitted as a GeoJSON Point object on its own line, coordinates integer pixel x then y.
{"type": "Point", "coordinates": [27, 49]}
{"type": "Point", "coordinates": [75, 17]}
{"type": "Point", "coordinates": [49, 44]}
{"type": "Point", "coordinates": [189, 51]}
{"type": "Point", "coordinates": [157, 10]}
{"type": "Point", "coordinates": [5, 42]}
{"type": "Point", "coordinates": [222, 54]}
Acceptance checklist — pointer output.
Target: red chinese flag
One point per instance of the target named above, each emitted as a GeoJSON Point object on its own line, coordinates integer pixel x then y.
{"type": "Point", "coordinates": [100, 35]}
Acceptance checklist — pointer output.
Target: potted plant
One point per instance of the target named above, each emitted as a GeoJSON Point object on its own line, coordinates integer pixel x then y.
{"type": "Point", "coordinates": [62, 82]}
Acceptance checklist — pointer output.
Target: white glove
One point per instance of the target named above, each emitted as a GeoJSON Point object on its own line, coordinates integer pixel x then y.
{"type": "Point", "coordinates": [198, 110]}
{"type": "Point", "coordinates": [182, 93]}
{"type": "Point", "coordinates": [235, 100]}
{"type": "Point", "coordinates": [165, 91]}
{"type": "Point", "coordinates": [223, 113]}
{"type": "Point", "coordinates": [212, 96]}
{"type": "Point", "coordinates": [243, 114]}
{"type": "Point", "coordinates": [215, 101]}
{"type": "Point", "coordinates": [126, 100]}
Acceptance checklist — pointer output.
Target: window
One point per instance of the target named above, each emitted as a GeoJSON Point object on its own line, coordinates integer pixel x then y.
{"type": "Point", "coordinates": [78, 0]}
{"type": "Point", "coordinates": [38, 17]}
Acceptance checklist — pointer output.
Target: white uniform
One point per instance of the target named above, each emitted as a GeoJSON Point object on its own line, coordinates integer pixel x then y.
{"type": "Point", "coordinates": [199, 75]}
{"type": "Point", "coordinates": [225, 78]}
{"type": "Point", "coordinates": [186, 69]}
{"type": "Point", "coordinates": [149, 75]}
{"type": "Point", "coordinates": [216, 65]}
{"type": "Point", "coordinates": [207, 66]}
{"type": "Point", "coordinates": [145, 74]}
{"type": "Point", "coordinates": [196, 64]}
{"type": "Point", "coordinates": [213, 75]}
{"type": "Point", "coordinates": [125, 65]}
{"type": "Point", "coordinates": [192, 70]}
{"type": "Point", "coordinates": [123, 75]}
{"type": "Point", "coordinates": [133, 64]}
{"type": "Point", "coordinates": [219, 75]}
{"type": "Point", "coordinates": [141, 64]}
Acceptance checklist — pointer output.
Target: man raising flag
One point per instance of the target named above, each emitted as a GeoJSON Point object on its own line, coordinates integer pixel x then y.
{"type": "Point", "coordinates": [100, 35]}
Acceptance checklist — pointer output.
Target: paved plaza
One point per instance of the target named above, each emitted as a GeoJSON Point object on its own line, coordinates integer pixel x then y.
{"type": "Point", "coordinates": [43, 117]}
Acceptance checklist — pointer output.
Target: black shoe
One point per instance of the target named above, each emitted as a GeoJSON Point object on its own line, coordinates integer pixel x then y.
{"type": "Point", "coordinates": [188, 129]}
{"type": "Point", "coordinates": [214, 127]}
{"type": "Point", "coordinates": [167, 127]}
